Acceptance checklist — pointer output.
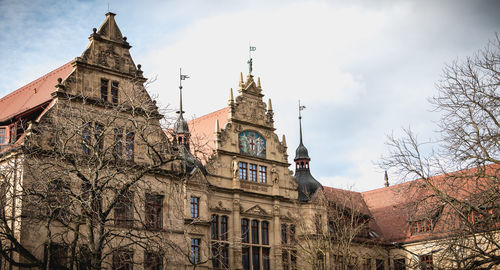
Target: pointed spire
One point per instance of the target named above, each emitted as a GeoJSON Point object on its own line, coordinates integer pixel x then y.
{"type": "Point", "coordinates": [386, 179]}
{"type": "Point", "coordinates": [241, 78]}
{"type": "Point", "coordinates": [301, 153]}
{"type": "Point", "coordinates": [258, 82]}
{"type": "Point", "coordinates": [283, 141]}
{"type": "Point", "coordinates": [269, 105]}
{"type": "Point", "coordinates": [216, 125]}
{"type": "Point", "coordinates": [181, 126]}
{"type": "Point", "coordinates": [300, 120]}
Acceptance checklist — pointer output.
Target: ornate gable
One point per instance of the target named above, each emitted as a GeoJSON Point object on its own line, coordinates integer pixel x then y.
{"type": "Point", "coordinates": [109, 49]}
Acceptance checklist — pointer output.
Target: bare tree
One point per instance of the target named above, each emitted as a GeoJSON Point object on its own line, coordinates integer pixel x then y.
{"type": "Point", "coordinates": [467, 200]}
{"type": "Point", "coordinates": [341, 231]}
{"type": "Point", "coordinates": [92, 182]}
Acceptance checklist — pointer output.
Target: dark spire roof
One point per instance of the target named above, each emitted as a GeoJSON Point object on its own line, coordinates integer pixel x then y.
{"type": "Point", "coordinates": [307, 184]}
{"type": "Point", "coordinates": [181, 125]}
{"type": "Point", "coordinates": [301, 152]}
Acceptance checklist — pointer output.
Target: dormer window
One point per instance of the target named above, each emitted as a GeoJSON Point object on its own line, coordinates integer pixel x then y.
{"type": "Point", "coordinates": [421, 226]}
{"type": "Point", "coordinates": [3, 135]}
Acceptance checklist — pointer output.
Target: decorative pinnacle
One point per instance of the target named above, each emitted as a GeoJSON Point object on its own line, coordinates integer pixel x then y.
{"type": "Point", "coordinates": [386, 179]}
{"type": "Point", "coordinates": [216, 125]}
{"type": "Point", "coordinates": [269, 105]}
{"type": "Point", "coordinates": [231, 98]}
{"type": "Point", "coordinates": [283, 141]}
{"type": "Point", "coordinates": [258, 82]}
{"type": "Point", "coordinates": [181, 78]}
{"type": "Point", "coordinates": [241, 78]}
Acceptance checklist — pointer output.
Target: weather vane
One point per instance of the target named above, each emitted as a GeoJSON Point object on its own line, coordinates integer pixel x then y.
{"type": "Point", "coordinates": [181, 78]}
{"type": "Point", "coordinates": [250, 61]}
{"type": "Point", "coordinates": [300, 109]}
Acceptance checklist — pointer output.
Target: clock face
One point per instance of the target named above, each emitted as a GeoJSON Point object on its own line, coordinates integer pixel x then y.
{"type": "Point", "coordinates": [252, 143]}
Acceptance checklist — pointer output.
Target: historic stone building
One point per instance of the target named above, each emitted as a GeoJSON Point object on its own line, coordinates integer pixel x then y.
{"type": "Point", "coordinates": [89, 178]}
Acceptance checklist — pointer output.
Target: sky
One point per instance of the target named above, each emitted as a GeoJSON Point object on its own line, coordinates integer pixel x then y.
{"type": "Point", "coordinates": [363, 69]}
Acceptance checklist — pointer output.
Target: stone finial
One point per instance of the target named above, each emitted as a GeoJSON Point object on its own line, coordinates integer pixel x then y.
{"type": "Point", "coordinates": [283, 141]}
{"type": "Point", "coordinates": [386, 179]}
{"type": "Point", "coordinates": [269, 105]}
{"type": "Point", "coordinates": [258, 82]}
{"type": "Point", "coordinates": [139, 67]}
{"type": "Point", "coordinates": [59, 85]}
{"type": "Point", "coordinates": [241, 78]}
{"type": "Point", "coordinates": [94, 30]}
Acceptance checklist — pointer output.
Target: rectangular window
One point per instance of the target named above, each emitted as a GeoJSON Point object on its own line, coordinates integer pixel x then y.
{"type": "Point", "coordinates": [293, 259]}
{"type": "Point", "coordinates": [265, 232]}
{"type": "Point", "coordinates": [225, 256]}
{"type": "Point", "coordinates": [104, 89]}
{"type": "Point", "coordinates": [243, 170]}
{"type": "Point", "coordinates": [283, 234]}
{"type": "Point", "coordinates": [195, 207]}
{"type": "Point", "coordinates": [262, 174]}
{"type": "Point", "coordinates": [129, 145]}
{"type": "Point", "coordinates": [284, 259]}
{"type": "Point", "coordinates": [58, 199]}
{"type": "Point", "coordinates": [379, 264]}
{"type": "Point", "coordinates": [223, 228]}
{"type": "Point", "coordinates": [292, 234]}
{"type": "Point", "coordinates": [367, 265]}
{"type": "Point", "coordinates": [118, 141]}
{"type": "Point", "coordinates": [399, 264]}
{"type": "Point", "coordinates": [154, 211]}
{"type": "Point", "coordinates": [123, 260]}
{"type": "Point", "coordinates": [124, 210]}
{"type": "Point", "coordinates": [114, 92]}
{"type": "Point", "coordinates": [244, 230]}
{"type": "Point", "coordinates": [3, 135]}
{"type": "Point", "coordinates": [214, 227]}
{"type": "Point", "coordinates": [321, 261]}
{"type": "Point", "coordinates": [252, 170]}
{"type": "Point", "coordinates": [86, 138]}
{"type": "Point", "coordinates": [426, 262]}
{"type": "Point", "coordinates": [58, 256]}
{"type": "Point", "coordinates": [152, 261]}
{"type": "Point", "coordinates": [99, 136]}
{"type": "Point", "coordinates": [256, 257]}
{"type": "Point", "coordinates": [255, 231]}
{"type": "Point", "coordinates": [420, 226]}
{"type": "Point", "coordinates": [245, 258]}
{"type": "Point", "coordinates": [195, 250]}
{"type": "Point", "coordinates": [215, 255]}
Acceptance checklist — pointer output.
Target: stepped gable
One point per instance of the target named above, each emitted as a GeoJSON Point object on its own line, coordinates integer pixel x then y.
{"type": "Point", "coordinates": [395, 206]}
{"type": "Point", "coordinates": [33, 94]}
{"type": "Point", "coordinates": [203, 132]}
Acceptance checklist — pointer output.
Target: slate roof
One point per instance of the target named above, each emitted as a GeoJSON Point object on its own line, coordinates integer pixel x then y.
{"type": "Point", "coordinates": [33, 94]}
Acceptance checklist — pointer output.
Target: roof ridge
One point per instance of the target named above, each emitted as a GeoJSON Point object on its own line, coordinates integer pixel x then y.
{"type": "Point", "coordinates": [206, 115]}
{"type": "Point", "coordinates": [43, 77]}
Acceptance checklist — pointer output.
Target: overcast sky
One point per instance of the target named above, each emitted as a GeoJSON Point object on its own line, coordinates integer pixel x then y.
{"type": "Point", "coordinates": [363, 69]}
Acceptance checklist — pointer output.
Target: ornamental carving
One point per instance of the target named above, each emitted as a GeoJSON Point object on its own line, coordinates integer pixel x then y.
{"type": "Point", "coordinates": [252, 143]}
{"type": "Point", "coordinates": [256, 211]}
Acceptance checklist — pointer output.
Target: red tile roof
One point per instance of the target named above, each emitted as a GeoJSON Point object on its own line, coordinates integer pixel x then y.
{"type": "Point", "coordinates": [203, 132]}
{"type": "Point", "coordinates": [33, 94]}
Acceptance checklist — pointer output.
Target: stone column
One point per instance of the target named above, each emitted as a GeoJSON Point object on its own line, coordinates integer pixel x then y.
{"type": "Point", "coordinates": [235, 250]}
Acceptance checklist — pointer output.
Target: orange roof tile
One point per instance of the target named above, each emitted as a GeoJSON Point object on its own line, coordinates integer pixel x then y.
{"type": "Point", "coordinates": [33, 94]}
{"type": "Point", "coordinates": [203, 132]}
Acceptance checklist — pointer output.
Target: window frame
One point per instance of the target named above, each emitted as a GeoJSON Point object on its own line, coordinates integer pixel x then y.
{"type": "Point", "coordinates": [124, 210]}
{"type": "Point", "coordinates": [195, 250]}
{"type": "Point", "coordinates": [262, 174]}
{"type": "Point", "coordinates": [252, 172]}
{"type": "Point", "coordinates": [153, 209]}
{"type": "Point", "coordinates": [195, 207]}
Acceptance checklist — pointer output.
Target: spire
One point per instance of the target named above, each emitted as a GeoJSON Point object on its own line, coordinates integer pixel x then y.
{"type": "Point", "coordinates": [301, 154]}
{"type": "Point", "coordinates": [283, 141]}
{"type": "Point", "coordinates": [258, 82]}
{"type": "Point", "coordinates": [386, 179]}
{"type": "Point", "coordinates": [109, 29]}
{"type": "Point", "coordinates": [241, 78]}
{"type": "Point", "coordinates": [269, 105]}
{"type": "Point", "coordinates": [181, 128]}
{"type": "Point", "coordinates": [307, 184]}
